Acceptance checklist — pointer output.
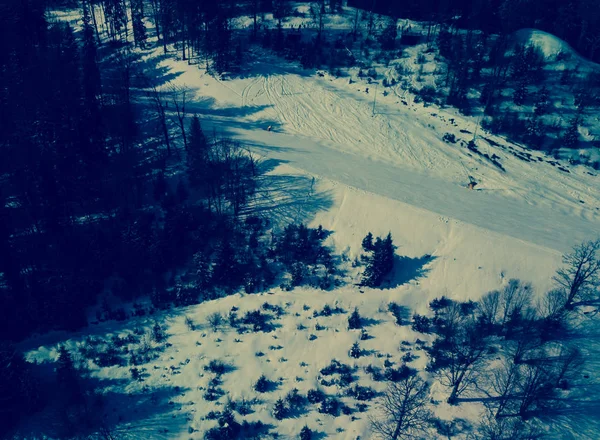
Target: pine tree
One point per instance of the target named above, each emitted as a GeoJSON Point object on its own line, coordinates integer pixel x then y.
{"type": "Point", "coordinates": [137, 22]}
{"type": "Point", "coordinates": [367, 243]}
{"type": "Point", "coordinates": [354, 320]}
{"type": "Point", "coordinates": [306, 433]}
{"type": "Point", "coordinates": [520, 94]}
{"type": "Point", "coordinates": [280, 410]}
{"type": "Point", "coordinates": [67, 376]}
{"type": "Point", "coordinates": [571, 136]}
{"type": "Point", "coordinates": [389, 35]}
{"type": "Point", "coordinates": [380, 263]}
{"type": "Point", "coordinates": [355, 351]}
{"type": "Point", "coordinates": [197, 155]}
{"type": "Point", "coordinates": [543, 102]}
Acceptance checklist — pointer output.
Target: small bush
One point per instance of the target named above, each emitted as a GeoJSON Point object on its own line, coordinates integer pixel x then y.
{"type": "Point", "coordinates": [215, 321]}
{"type": "Point", "coordinates": [361, 393]}
{"type": "Point", "coordinates": [398, 311]}
{"type": "Point", "coordinates": [398, 374]}
{"type": "Point", "coordinates": [263, 385]}
{"type": "Point", "coordinates": [335, 367]}
{"type": "Point", "coordinates": [449, 138]}
{"type": "Point", "coordinates": [294, 400]}
{"type": "Point", "coordinates": [158, 333]}
{"type": "Point", "coordinates": [217, 367]}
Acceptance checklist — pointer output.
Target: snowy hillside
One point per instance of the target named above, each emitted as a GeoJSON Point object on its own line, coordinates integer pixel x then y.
{"type": "Point", "coordinates": [356, 157]}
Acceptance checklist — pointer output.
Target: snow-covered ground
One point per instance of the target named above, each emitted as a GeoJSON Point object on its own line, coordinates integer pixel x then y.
{"type": "Point", "coordinates": [383, 170]}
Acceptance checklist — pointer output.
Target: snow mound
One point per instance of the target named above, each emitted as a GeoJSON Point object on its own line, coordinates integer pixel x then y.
{"type": "Point", "coordinates": [549, 44]}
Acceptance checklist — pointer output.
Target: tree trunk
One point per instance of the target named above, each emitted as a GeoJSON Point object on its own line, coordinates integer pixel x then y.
{"type": "Point", "coordinates": [93, 14]}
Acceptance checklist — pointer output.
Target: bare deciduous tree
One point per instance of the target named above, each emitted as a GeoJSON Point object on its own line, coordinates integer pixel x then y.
{"type": "Point", "coordinates": [179, 98]}
{"type": "Point", "coordinates": [492, 428]}
{"type": "Point", "coordinates": [502, 387]}
{"type": "Point", "coordinates": [402, 410]}
{"type": "Point", "coordinates": [514, 298]}
{"type": "Point", "coordinates": [160, 107]}
{"type": "Point", "coordinates": [580, 278]}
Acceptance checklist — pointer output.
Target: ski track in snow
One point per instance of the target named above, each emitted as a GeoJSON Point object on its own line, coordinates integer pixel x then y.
{"type": "Point", "coordinates": [327, 129]}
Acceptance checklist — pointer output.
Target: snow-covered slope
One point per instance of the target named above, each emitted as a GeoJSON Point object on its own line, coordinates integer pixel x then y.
{"type": "Point", "coordinates": [326, 127]}
{"type": "Point", "coordinates": [383, 170]}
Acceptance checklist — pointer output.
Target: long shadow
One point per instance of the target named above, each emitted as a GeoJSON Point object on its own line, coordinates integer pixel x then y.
{"type": "Point", "coordinates": [288, 198]}
{"type": "Point", "coordinates": [107, 410]}
{"type": "Point", "coordinates": [408, 269]}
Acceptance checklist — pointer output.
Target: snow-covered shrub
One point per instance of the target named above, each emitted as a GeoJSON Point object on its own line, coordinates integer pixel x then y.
{"type": "Point", "coordinates": [217, 367]}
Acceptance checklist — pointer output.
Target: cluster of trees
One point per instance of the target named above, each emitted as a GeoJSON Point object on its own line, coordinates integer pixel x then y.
{"type": "Point", "coordinates": [512, 86]}
{"type": "Point", "coordinates": [577, 22]}
{"type": "Point", "coordinates": [378, 260]}
{"type": "Point", "coordinates": [206, 32]}
{"type": "Point", "coordinates": [513, 353]}
{"type": "Point", "coordinates": [87, 193]}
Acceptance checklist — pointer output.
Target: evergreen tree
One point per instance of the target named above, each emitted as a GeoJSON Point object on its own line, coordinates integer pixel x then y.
{"type": "Point", "coordinates": [388, 36]}
{"type": "Point", "coordinates": [67, 377]}
{"type": "Point", "coordinates": [19, 393]}
{"type": "Point", "coordinates": [280, 410]}
{"type": "Point", "coordinates": [570, 138]}
{"type": "Point", "coordinates": [380, 263]}
{"type": "Point", "coordinates": [367, 243]}
{"type": "Point", "coordinates": [137, 23]}
{"type": "Point", "coordinates": [197, 155]}
{"type": "Point", "coordinates": [354, 320]}
{"type": "Point", "coordinates": [355, 351]}
{"type": "Point", "coordinates": [520, 94]}
{"type": "Point", "coordinates": [306, 433]}
{"type": "Point", "coordinates": [542, 103]}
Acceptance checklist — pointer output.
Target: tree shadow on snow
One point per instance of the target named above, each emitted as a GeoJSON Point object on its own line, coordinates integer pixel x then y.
{"type": "Point", "coordinates": [286, 198]}
{"type": "Point", "coordinates": [109, 409]}
{"type": "Point", "coordinates": [407, 269]}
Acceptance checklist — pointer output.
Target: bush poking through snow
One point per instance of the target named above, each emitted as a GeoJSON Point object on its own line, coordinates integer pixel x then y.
{"type": "Point", "coordinates": [398, 311]}
{"type": "Point", "coordinates": [263, 385]}
{"type": "Point", "coordinates": [217, 367]}
{"type": "Point", "coordinates": [215, 321]}
{"type": "Point", "coordinates": [158, 333]}
{"type": "Point", "coordinates": [360, 392]}
{"type": "Point", "coordinates": [331, 406]}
